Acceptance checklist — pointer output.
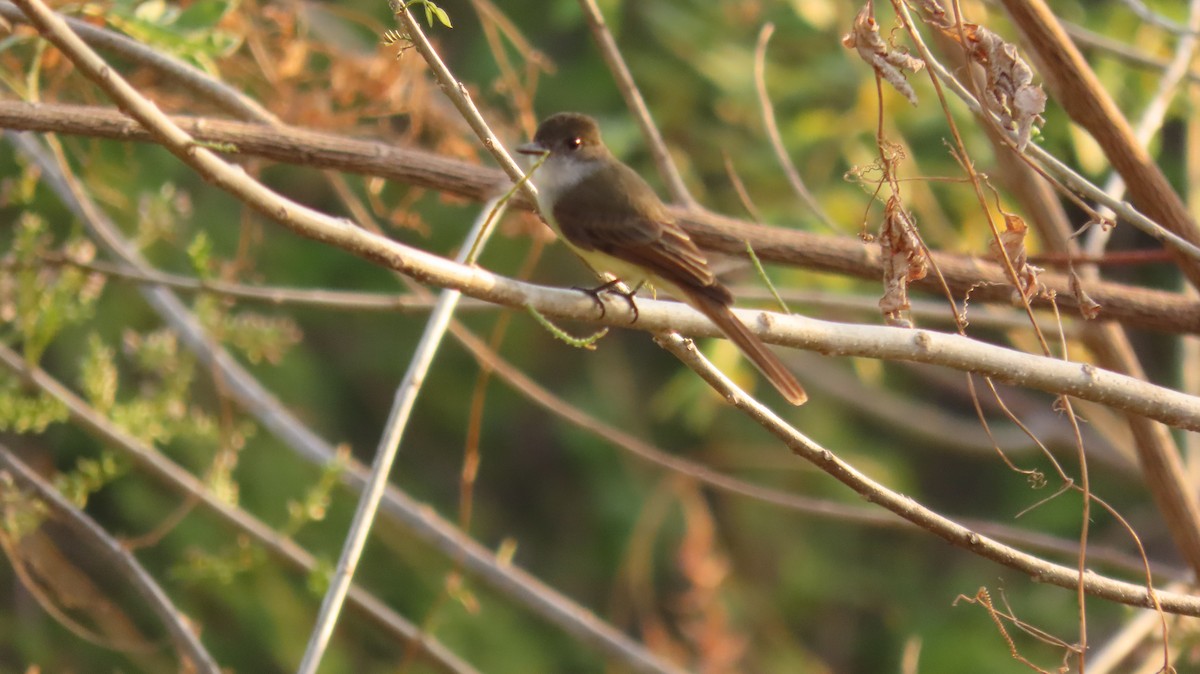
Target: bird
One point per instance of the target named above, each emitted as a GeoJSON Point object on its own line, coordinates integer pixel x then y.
{"type": "Point", "coordinates": [606, 213]}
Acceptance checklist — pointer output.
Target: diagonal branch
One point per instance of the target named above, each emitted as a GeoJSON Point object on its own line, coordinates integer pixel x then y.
{"type": "Point", "coordinates": [1078, 90]}
{"type": "Point", "coordinates": [634, 101]}
{"type": "Point", "coordinates": [192, 655]}
{"type": "Point", "coordinates": [164, 470]}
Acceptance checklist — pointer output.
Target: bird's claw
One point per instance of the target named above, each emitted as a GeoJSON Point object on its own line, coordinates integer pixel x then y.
{"type": "Point", "coordinates": [612, 287]}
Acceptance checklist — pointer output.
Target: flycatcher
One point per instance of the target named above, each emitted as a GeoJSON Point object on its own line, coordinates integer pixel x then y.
{"type": "Point", "coordinates": [605, 212]}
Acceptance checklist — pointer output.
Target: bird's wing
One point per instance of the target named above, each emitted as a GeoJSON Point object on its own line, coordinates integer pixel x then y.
{"type": "Point", "coordinates": [604, 218]}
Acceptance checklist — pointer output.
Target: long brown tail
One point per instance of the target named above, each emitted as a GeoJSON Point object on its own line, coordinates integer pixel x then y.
{"type": "Point", "coordinates": [758, 353]}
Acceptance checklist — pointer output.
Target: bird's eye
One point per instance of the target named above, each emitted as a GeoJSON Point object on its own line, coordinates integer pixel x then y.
{"type": "Point", "coordinates": [574, 143]}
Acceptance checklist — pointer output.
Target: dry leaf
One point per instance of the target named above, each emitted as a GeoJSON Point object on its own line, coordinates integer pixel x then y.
{"type": "Point", "coordinates": [1010, 91]}
{"type": "Point", "coordinates": [1088, 307]}
{"type": "Point", "coordinates": [1012, 240]}
{"type": "Point", "coordinates": [888, 63]}
{"type": "Point", "coordinates": [904, 261]}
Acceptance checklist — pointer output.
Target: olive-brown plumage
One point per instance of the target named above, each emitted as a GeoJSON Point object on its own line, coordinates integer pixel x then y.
{"type": "Point", "coordinates": [612, 219]}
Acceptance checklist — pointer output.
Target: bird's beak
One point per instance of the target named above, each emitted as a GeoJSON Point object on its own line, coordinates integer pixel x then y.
{"type": "Point", "coordinates": [532, 149]}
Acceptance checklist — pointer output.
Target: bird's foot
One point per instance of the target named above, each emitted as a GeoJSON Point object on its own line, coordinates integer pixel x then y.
{"type": "Point", "coordinates": [612, 286]}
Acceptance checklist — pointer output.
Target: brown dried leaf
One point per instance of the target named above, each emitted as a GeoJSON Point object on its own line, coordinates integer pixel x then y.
{"type": "Point", "coordinates": [1010, 85]}
{"type": "Point", "coordinates": [1010, 90]}
{"type": "Point", "coordinates": [1012, 246]}
{"type": "Point", "coordinates": [904, 261]}
{"type": "Point", "coordinates": [888, 63]}
{"type": "Point", "coordinates": [1088, 307]}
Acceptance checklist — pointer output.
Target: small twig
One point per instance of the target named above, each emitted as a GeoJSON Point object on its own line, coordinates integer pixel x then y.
{"type": "Point", "coordinates": [740, 188]}
{"type": "Point", "coordinates": [768, 112]}
{"type": "Point", "coordinates": [636, 104]}
{"type": "Point", "coordinates": [389, 443]}
{"type": "Point", "coordinates": [1155, 19]}
{"type": "Point", "coordinates": [1120, 50]}
{"type": "Point", "coordinates": [588, 342]}
{"type": "Point", "coordinates": [457, 93]}
{"type": "Point", "coordinates": [762, 274]}
{"type": "Point", "coordinates": [336, 300]}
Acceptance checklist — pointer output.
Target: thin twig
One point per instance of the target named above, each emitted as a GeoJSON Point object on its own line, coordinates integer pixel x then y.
{"type": "Point", "coordinates": [335, 300]}
{"type": "Point", "coordinates": [637, 105]}
{"type": "Point", "coordinates": [768, 112]}
{"type": "Point", "coordinates": [1104, 44]}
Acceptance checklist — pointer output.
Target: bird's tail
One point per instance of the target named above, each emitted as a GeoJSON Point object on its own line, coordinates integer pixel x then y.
{"type": "Point", "coordinates": [767, 362]}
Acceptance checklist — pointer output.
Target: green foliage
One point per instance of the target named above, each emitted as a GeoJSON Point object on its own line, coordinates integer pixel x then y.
{"type": "Point", "coordinates": [159, 412]}
{"type": "Point", "coordinates": [221, 566]}
{"type": "Point", "coordinates": [89, 477]}
{"type": "Point", "coordinates": [160, 211]}
{"type": "Point", "coordinates": [98, 376]}
{"type": "Point", "coordinates": [257, 336]}
{"type": "Point", "coordinates": [20, 512]}
{"type": "Point", "coordinates": [191, 33]}
{"type": "Point", "coordinates": [24, 411]}
{"type": "Point", "coordinates": [317, 581]}
{"type": "Point", "coordinates": [431, 11]}
{"type": "Point", "coordinates": [315, 504]}
{"type": "Point", "coordinates": [40, 300]}
{"type": "Point", "coordinates": [200, 253]}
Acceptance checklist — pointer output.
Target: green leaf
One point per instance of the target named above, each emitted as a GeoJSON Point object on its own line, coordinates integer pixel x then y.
{"type": "Point", "coordinates": [441, 15]}
{"type": "Point", "coordinates": [200, 253]}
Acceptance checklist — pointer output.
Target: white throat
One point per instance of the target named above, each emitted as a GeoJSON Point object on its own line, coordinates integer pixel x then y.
{"type": "Point", "coordinates": [559, 174]}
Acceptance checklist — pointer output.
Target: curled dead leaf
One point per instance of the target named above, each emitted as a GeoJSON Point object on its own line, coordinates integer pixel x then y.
{"type": "Point", "coordinates": [1012, 246]}
{"type": "Point", "coordinates": [1088, 308]}
{"type": "Point", "coordinates": [904, 261]}
{"type": "Point", "coordinates": [889, 63]}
